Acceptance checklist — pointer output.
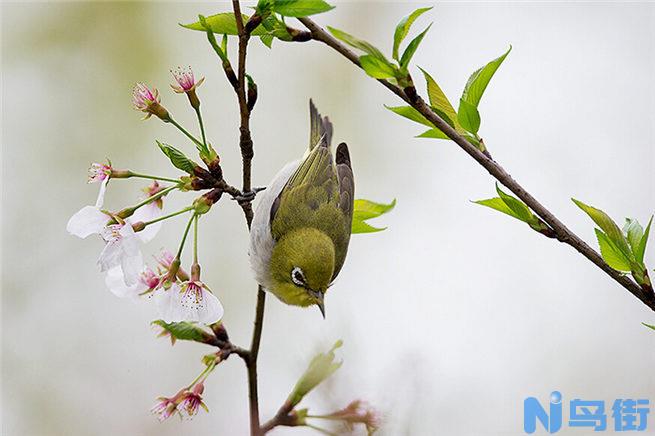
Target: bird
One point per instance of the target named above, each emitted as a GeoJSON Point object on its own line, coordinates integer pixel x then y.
{"type": "Point", "coordinates": [302, 224]}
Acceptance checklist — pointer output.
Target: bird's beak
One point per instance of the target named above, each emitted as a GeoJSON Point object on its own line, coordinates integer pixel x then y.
{"type": "Point", "coordinates": [321, 306]}
{"type": "Point", "coordinates": [319, 301]}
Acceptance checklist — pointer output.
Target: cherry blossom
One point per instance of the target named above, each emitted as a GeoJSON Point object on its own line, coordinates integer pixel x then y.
{"type": "Point", "coordinates": [185, 80]}
{"type": "Point", "coordinates": [189, 301]}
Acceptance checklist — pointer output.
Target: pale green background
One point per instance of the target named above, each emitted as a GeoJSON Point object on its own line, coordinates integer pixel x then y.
{"type": "Point", "coordinates": [450, 318]}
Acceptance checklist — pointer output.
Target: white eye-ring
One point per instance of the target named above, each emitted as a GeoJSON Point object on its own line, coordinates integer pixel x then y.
{"type": "Point", "coordinates": [298, 277]}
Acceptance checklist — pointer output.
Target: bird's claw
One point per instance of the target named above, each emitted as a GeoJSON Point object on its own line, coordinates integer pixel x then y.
{"type": "Point", "coordinates": [247, 197]}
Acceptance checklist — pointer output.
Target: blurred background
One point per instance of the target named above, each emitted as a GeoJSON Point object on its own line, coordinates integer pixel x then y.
{"type": "Point", "coordinates": [450, 317]}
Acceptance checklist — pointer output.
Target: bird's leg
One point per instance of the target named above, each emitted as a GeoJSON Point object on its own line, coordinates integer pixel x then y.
{"type": "Point", "coordinates": [247, 197]}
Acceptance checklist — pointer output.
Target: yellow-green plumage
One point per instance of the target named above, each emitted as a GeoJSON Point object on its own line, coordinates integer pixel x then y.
{"type": "Point", "coordinates": [309, 218]}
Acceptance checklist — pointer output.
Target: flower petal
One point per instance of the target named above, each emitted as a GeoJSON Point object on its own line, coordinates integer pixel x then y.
{"type": "Point", "coordinates": [146, 213]}
{"type": "Point", "coordinates": [168, 303]}
{"type": "Point", "coordinates": [211, 310]}
{"type": "Point", "coordinates": [87, 221]}
{"type": "Point", "coordinates": [128, 241]}
{"type": "Point", "coordinates": [110, 256]}
{"type": "Point", "coordinates": [101, 194]}
{"type": "Point", "coordinates": [131, 266]}
{"type": "Point", "coordinates": [116, 284]}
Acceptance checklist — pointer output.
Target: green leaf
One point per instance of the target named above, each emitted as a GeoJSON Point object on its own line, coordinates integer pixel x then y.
{"type": "Point", "coordinates": [178, 159]}
{"type": "Point", "coordinates": [411, 114]}
{"type": "Point", "coordinates": [611, 254]}
{"type": "Point", "coordinates": [276, 28]}
{"type": "Point", "coordinates": [468, 116]}
{"type": "Point", "coordinates": [633, 232]}
{"type": "Point", "coordinates": [267, 40]}
{"type": "Point", "coordinates": [221, 52]}
{"type": "Point", "coordinates": [377, 68]}
{"type": "Point", "coordinates": [320, 368]}
{"type": "Point", "coordinates": [649, 326]}
{"type": "Point", "coordinates": [365, 210]}
{"type": "Point", "coordinates": [411, 48]}
{"type": "Point", "coordinates": [357, 43]}
{"type": "Point", "coordinates": [479, 80]}
{"type": "Point", "coordinates": [608, 226]}
{"type": "Point", "coordinates": [224, 23]}
{"type": "Point", "coordinates": [438, 99]}
{"type": "Point", "coordinates": [186, 331]}
{"type": "Point", "coordinates": [224, 43]}
{"type": "Point", "coordinates": [402, 29]}
{"type": "Point", "coordinates": [498, 204]}
{"type": "Point", "coordinates": [359, 227]}
{"type": "Point", "coordinates": [434, 134]}
{"type": "Point", "coordinates": [517, 206]}
{"type": "Point", "coordinates": [641, 248]}
{"type": "Point", "coordinates": [300, 8]}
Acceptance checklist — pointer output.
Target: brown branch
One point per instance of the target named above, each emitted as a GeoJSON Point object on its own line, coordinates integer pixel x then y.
{"type": "Point", "coordinates": [251, 363]}
{"type": "Point", "coordinates": [285, 416]}
{"type": "Point", "coordinates": [247, 154]}
{"type": "Point", "coordinates": [562, 233]}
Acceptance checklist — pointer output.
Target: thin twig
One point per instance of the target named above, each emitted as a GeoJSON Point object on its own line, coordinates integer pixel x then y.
{"type": "Point", "coordinates": [562, 233]}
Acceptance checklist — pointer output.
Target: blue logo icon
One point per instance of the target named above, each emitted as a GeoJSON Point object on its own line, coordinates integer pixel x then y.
{"type": "Point", "coordinates": [627, 414]}
{"type": "Point", "coordinates": [532, 411]}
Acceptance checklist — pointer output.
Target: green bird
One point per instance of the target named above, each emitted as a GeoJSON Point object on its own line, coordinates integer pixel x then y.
{"type": "Point", "coordinates": [301, 228]}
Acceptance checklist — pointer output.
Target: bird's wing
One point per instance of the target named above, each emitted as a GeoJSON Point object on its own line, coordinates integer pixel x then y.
{"type": "Point", "coordinates": [346, 180]}
{"type": "Point", "coordinates": [320, 131]}
{"type": "Point", "coordinates": [312, 184]}
{"type": "Point", "coordinates": [319, 194]}
{"type": "Point", "coordinates": [261, 240]}
{"type": "Point", "coordinates": [317, 168]}
{"type": "Point", "coordinates": [346, 200]}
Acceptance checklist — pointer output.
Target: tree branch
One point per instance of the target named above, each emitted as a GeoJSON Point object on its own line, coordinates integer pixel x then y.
{"type": "Point", "coordinates": [562, 233]}
{"type": "Point", "coordinates": [245, 138]}
{"type": "Point", "coordinates": [247, 154]}
{"type": "Point", "coordinates": [284, 416]}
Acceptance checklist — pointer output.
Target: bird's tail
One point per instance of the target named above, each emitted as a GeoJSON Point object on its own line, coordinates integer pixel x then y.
{"type": "Point", "coordinates": [320, 128]}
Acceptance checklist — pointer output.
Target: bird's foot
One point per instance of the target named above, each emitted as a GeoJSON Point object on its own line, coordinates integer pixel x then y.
{"type": "Point", "coordinates": [249, 196]}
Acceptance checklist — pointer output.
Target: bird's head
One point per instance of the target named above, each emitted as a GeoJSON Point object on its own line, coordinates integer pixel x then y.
{"type": "Point", "coordinates": [302, 264]}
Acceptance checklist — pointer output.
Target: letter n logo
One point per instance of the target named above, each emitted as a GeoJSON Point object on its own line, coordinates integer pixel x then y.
{"type": "Point", "coordinates": [532, 411]}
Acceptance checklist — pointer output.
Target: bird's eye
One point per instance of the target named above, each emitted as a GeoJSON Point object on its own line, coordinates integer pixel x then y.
{"type": "Point", "coordinates": [297, 276]}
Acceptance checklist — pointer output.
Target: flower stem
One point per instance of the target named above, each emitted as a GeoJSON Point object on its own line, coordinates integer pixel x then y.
{"type": "Point", "coordinates": [199, 144]}
{"type": "Point", "coordinates": [186, 232]}
{"type": "Point", "coordinates": [146, 176]}
{"type": "Point", "coordinates": [320, 430]}
{"type": "Point", "coordinates": [202, 127]}
{"type": "Point", "coordinates": [170, 215]}
{"type": "Point", "coordinates": [195, 239]}
{"type": "Point", "coordinates": [155, 197]}
{"type": "Point", "coordinates": [203, 375]}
